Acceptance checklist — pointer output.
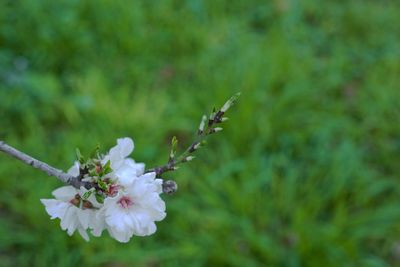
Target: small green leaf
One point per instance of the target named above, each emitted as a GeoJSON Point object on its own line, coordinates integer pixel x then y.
{"type": "Point", "coordinates": [107, 165]}
{"type": "Point", "coordinates": [106, 169]}
{"type": "Point", "coordinates": [103, 185]}
{"type": "Point", "coordinates": [93, 173]}
{"type": "Point", "coordinates": [174, 145]}
{"type": "Point", "coordinates": [99, 198]}
{"type": "Point", "coordinates": [96, 152]}
{"type": "Point", "coordinates": [79, 156]}
{"type": "Point", "coordinates": [87, 194]}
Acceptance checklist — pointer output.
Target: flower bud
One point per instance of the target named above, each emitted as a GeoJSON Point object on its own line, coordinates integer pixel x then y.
{"type": "Point", "coordinates": [215, 130]}
{"type": "Point", "coordinates": [202, 124]}
{"type": "Point", "coordinates": [87, 205]}
{"type": "Point", "coordinates": [169, 187]}
{"type": "Point", "coordinates": [189, 158]}
{"type": "Point", "coordinates": [196, 146]}
{"type": "Point", "coordinates": [230, 102]}
{"type": "Point", "coordinates": [76, 200]}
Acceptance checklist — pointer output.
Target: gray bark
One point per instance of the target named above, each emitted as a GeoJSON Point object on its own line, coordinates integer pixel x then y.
{"type": "Point", "coordinates": [51, 171]}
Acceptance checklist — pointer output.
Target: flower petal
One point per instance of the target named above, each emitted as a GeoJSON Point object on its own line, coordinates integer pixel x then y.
{"type": "Point", "coordinates": [121, 236]}
{"type": "Point", "coordinates": [55, 208]}
{"type": "Point", "coordinates": [84, 217]}
{"type": "Point", "coordinates": [74, 170]}
{"type": "Point", "coordinates": [83, 233]}
{"type": "Point", "coordinates": [126, 146]}
{"type": "Point", "coordinates": [65, 193]}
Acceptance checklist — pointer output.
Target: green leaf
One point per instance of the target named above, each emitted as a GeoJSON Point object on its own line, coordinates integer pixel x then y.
{"type": "Point", "coordinates": [174, 145]}
{"type": "Point", "coordinates": [107, 168]}
{"type": "Point", "coordinates": [87, 194]}
{"type": "Point", "coordinates": [103, 185]}
{"type": "Point", "coordinates": [96, 152]}
{"type": "Point", "coordinates": [93, 173]}
{"type": "Point", "coordinates": [79, 156]}
{"type": "Point", "coordinates": [99, 198]}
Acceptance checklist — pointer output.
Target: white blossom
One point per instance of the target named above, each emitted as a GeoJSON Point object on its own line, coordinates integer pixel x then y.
{"type": "Point", "coordinates": [124, 169]}
{"type": "Point", "coordinates": [131, 201]}
{"type": "Point", "coordinates": [135, 209]}
{"type": "Point", "coordinates": [63, 207]}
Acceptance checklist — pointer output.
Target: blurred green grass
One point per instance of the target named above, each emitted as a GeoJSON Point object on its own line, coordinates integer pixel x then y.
{"type": "Point", "coordinates": [306, 172]}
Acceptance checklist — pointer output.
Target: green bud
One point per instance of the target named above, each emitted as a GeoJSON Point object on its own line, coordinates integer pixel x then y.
{"type": "Point", "coordinates": [174, 145]}
{"type": "Point", "coordinates": [230, 102]}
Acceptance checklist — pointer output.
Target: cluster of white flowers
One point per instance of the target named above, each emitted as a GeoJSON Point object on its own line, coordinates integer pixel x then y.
{"type": "Point", "coordinates": [126, 201]}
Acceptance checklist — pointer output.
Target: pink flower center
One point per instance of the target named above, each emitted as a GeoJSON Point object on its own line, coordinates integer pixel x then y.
{"type": "Point", "coordinates": [125, 202]}
{"type": "Point", "coordinates": [113, 190]}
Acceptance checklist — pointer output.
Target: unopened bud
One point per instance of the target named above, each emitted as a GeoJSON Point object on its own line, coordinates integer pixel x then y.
{"type": "Point", "coordinates": [226, 106]}
{"type": "Point", "coordinates": [169, 187]}
{"type": "Point", "coordinates": [215, 130]}
{"type": "Point", "coordinates": [98, 168]}
{"type": "Point", "coordinates": [174, 144]}
{"type": "Point", "coordinates": [194, 147]}
{"type": "Point", "coordinates": [189, 158]}
{"type": "Point", "coordinates": [76, 200]}
{"type": "Point", "coordinates": [202, 124]}
{"type": "Point", "coordinates": [224, 119]}
{"type": "Point", "coordinates": [87, 205]}
{"type": "Point", "coordinates": [230, 102]}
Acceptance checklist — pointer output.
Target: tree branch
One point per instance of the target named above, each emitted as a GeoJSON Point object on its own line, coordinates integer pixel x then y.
{"type": "Point", "coordinates": [51, 171]}
{"type": "Point", "coordinates": [206, 128]}
{"type": "Point", "coordinates": [169, 186]}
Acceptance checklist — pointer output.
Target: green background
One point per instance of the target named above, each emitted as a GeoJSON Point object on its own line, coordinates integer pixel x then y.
{"type": "Point", "coordinates": [305, 173]}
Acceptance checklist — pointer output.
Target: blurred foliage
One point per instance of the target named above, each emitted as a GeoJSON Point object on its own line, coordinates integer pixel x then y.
{"type": "Point", "coordinates": [306, 172]}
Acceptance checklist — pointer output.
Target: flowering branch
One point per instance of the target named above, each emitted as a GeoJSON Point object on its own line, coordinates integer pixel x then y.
{"type": "Point", "coordinates": [207, 127]}
{"type": "Point", "coordinates": [111, 191]}
{"type": "Point", "coordinates": [169, 187]}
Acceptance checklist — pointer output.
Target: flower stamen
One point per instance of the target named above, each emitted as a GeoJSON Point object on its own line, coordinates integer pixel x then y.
{"type": "Point", "coordinates": [125, 202]}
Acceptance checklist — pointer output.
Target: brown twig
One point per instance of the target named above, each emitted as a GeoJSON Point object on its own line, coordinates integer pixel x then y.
{"type": "Point", "coordinates": [207, 127]}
